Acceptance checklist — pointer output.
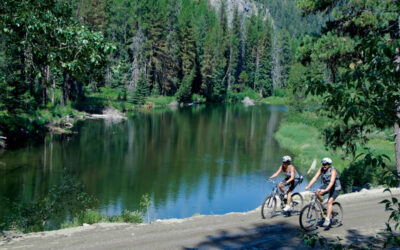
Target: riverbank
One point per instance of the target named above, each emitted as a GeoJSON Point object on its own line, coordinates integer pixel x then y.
{"type": "Point", "coordinates": [301, 133]}
{"type": "Point", "coordinates": [232, 230]}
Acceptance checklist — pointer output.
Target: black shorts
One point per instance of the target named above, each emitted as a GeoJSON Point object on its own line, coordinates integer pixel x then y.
{"type": "Point", "coordinates": [332, 192]}
{"type": "Point", "coordinates": [292, 184]}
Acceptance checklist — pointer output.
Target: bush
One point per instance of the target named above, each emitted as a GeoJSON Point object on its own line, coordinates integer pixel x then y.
{"type": "Point", "coordinates": [132, 216]}
{"type": "Point", "coordinates": [196, 98]}
{"type": "Point", "coordinates": [239, 96]}
{"type": "Point", "coordinates": [90, 217]}
{"type": "Point", "coordinates": [279, 92]}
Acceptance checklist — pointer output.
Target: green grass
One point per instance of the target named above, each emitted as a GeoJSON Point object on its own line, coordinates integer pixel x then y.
{"type": "Point", "coordinates": [301, 133]}
{"type": "Point", "coordinates": [160, 100]}
{"type": "Point", "coordinates": [91, 216]}
{"type": "Point", "coordinates": [274, 100]}
{"type": "Point", "coordinates": [239, 96]}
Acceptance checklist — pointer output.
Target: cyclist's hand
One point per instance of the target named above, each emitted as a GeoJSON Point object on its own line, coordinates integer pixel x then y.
{"type": "Point", "coordinates": [306, 188]}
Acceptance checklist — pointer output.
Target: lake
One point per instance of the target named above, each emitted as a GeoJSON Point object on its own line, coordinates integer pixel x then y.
{"type": "Point", "coordinates": [207, 159]}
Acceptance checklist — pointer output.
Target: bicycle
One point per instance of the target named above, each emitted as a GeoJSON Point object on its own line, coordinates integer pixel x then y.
{"type": "Point", "coordinates": [269, 204]}
{"type": "Point", "coordinates": [314, 212]}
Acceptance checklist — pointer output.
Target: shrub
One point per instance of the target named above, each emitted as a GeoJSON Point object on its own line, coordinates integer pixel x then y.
{"type": "Point", "coordinates": [196, 98]}
{"type": "Point", "coordinates": [90, 217]}
{"type": "Point", "coordinates": [132, 216]}
{"type": "Point", "coordinates": [279, 92]}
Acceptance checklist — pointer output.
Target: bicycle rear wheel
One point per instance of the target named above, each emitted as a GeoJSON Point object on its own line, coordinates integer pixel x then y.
{"type": "Point", "coordinates": [268, 207]}
{"type": "Point", "coordinates": [297, 203]}
{"type": "Point", "coordinates": [337, 214]}
{"type": "Point", "coordinates": [309, 217]}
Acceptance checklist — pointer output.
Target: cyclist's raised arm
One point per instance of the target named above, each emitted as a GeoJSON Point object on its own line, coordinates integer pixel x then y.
{"type": "Point", "coordinates": [332, 181]}
{"type": "Point", "coordinates": [277, 172]}
{"type": "Point", "coordinates": [314, 179]}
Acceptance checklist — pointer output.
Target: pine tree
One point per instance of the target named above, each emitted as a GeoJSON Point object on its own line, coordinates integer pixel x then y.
{"type": "Point", "coordinates": [187, 40]}
{"type": "Point", "coordinates": [140, 92]}
{"type": "Point", "coordinates": [94, 14]}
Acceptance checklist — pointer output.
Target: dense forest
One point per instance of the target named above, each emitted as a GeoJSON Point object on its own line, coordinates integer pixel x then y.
{"type": "Point", "coordinates": [53, 53]}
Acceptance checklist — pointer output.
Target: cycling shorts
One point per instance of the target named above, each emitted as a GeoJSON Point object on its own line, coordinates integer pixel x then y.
{"type": "Point", "coordinates": [332, 192]}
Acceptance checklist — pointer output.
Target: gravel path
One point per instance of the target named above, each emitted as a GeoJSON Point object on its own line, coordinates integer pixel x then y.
{"type": "Point", "coordinates": [363, 217]}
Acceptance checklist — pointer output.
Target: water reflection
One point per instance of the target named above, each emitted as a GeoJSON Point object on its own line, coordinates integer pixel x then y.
{"type": "Point", "coordinates": [202, 159]}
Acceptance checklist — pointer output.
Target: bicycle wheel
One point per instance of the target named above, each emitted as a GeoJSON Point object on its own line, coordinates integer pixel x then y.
{"type": "Point", "coordinates": [297, 203]}
{"type": "Point", "coordinates": [309, 217]}
{"type": "Point", "coordinates": [337, 214]}
{"type": "Point", "coordinates": [268, 207]}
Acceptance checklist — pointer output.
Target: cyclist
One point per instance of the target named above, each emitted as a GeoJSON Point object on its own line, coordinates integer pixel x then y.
{"type": "Point", "coordinates": [292, 179]}
{"type": "Point", "coordinates": [330, 184]}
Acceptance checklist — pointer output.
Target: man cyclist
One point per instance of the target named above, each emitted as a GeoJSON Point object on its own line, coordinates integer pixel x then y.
{"type": "Point", "coordinates": [292, 179]}
{"type": "Point", "coordinates": [330, 184]}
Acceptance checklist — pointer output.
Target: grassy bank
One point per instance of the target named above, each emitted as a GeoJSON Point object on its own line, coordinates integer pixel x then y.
{"type": "Point", "coordinates": [301, 133]}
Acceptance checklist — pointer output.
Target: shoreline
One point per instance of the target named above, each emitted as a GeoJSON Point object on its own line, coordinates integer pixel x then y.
{"type": "Point", "coordinates": [360, 196]}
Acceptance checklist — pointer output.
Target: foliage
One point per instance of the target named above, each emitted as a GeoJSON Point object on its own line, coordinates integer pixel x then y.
{"type": "Point", "coordinates": [239, 96]}
{"type": "Point", "coordinates": [145, 204]}
{"type": "Point", "coordinates": [140, 92]}
{"type": "Point", "coordinates": [69, 197]}
{"type": "Point", "coordinates": [183, 95]}
{"type": "Point", "coordinates": [359, 87]}
{"type": "Point", "coordinates": [392, 238]}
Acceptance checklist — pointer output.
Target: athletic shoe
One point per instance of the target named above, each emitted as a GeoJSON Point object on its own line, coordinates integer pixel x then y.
{"type": "Point", "coordinates": [287, 208]}
{"type": "Point", "coordinates": [327, 223]}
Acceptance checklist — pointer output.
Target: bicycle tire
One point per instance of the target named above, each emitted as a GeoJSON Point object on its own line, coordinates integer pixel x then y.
{"type": "Point", "coordinates": [268, 207]}
{"type": "Point", "coordinates": [297, 202]}
{"type": "Point", "coordinates": [337, 215]}
{"type": "Point", "coordinates": [309, 217]}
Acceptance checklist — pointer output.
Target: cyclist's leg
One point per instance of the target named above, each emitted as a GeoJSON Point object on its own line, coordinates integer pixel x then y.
{"type": "Point", "coordinates": [333, 194]}
{"type": "Point", "coordinates": [292, 186]}
{"type": "Point", "coordinates": [282, 185]}
{"type": "Point", "coordinates": [319, 195]}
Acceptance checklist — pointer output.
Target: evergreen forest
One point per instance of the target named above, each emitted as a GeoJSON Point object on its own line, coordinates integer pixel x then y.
{"type": "Point", "coordinates": [56, 54]}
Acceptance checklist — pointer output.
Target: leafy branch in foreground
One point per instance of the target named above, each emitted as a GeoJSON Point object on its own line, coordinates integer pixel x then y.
{"type": "Point", "coordinates": [69, 197]}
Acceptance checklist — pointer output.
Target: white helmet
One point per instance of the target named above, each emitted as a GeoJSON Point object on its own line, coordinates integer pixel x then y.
{"type": "Point", "coordinates": [286, 158]}
{"type": "Point", "coordinates": [326, 160]}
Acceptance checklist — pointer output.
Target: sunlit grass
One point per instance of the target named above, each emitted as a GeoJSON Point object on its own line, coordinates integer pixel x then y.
{"type": "Point", "coordinates": [301, 133]}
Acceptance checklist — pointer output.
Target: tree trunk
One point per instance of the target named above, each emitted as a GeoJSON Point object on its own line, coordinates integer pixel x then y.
{"type": "Point", "coordinates": [256, 69]}
{"type": "Point", "coordinates": [78, 10]}
{"type": "Point", "coordinates": [397, 140]}
{"type": "Point", "coordinates": [65, 89]}
{"type": "Point", "coordinates": [53, 92]}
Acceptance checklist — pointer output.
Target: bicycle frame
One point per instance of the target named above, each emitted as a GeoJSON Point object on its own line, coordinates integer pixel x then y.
{"type": "Point", "coordinates": [314, 200]}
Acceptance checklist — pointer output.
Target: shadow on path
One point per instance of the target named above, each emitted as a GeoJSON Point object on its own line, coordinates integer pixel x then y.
{"type": "Point", "coordinates": [258, 236]}
{"type": "Point", "coordinates": [281, 235]}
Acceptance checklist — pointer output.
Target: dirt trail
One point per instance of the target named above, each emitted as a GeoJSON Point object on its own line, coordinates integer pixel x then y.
{"type": "Point", "coordinates": [363, 217]}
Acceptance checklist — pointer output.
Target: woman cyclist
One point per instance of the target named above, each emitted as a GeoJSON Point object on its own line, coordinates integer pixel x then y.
{"type": "Point", "coordinates": [292, 179]}
{"type": "Point", "coordinates": [331, 184]}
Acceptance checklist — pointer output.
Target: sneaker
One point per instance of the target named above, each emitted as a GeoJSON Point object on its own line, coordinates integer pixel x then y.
{"type": "Point", "coordinates": [287, 208]}
{"type": "Point", "coordinates": [327, 223]}
{"type": "Point", "coordinates": [285, 197]}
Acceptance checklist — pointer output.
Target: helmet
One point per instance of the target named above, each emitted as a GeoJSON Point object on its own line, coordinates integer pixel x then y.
{"type": "Point", "coordinates": [326, 160]}
{"type": "Point", "coordinates": [286, 158]}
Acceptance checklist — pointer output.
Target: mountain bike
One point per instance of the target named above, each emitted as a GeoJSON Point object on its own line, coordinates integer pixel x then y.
{"type": "Point", "coordinates": [313, 213]}
{"type": "Point", "coordinates": [269, 205]}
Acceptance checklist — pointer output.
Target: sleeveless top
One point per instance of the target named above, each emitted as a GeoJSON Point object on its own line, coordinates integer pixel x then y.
{"type": "Point", "coordinates": [326, 178]}
{"type": "Point", "coordinates": [288, 174]}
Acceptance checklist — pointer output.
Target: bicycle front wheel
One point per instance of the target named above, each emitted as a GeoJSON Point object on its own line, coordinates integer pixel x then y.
{"type": "Point", "coordinates": [309, 217]}
{"type": "Point", "coordinates": [268, 207]}
{"type": "Point", "coordinates": [337, 214]}
{"type": "Point", "coordinates": [297, 203]}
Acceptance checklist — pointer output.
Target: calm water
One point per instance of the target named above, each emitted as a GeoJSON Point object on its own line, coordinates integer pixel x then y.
{"type": "Point", "coordinates": [196, 160]}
